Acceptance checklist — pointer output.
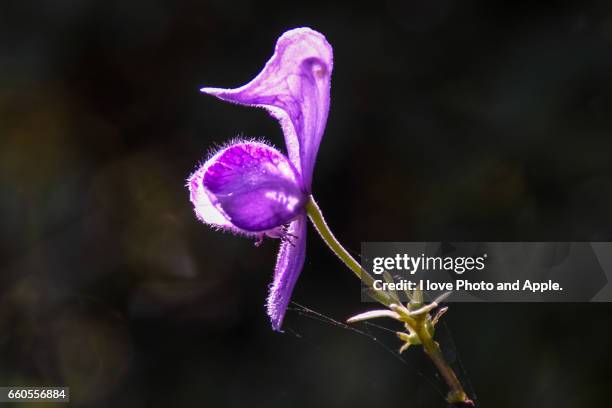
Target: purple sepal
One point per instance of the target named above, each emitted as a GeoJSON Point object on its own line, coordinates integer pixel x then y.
{"type": "Point", "coordinates": [294, 87]}
{"type": "Point", "coordinates": [248, 186]}
{"type": "Point", "coordinates": [288, 267]}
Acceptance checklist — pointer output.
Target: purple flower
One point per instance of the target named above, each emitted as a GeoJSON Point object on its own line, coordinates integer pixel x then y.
{"type": "Point", "coordinates": [250, 188]}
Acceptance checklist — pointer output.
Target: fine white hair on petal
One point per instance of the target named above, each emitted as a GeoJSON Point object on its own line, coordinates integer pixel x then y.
{"type": "Point", "coordinates": [288, 267]}
{"type": "Point", "coordinates": [204, 204]}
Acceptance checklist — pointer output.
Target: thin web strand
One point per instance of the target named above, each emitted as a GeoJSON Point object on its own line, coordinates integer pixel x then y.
{"type": "Point", "coordinates": [314, 315]}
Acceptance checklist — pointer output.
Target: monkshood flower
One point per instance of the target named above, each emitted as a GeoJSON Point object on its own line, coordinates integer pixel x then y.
{"type": "Point", "coordinates": [251, 188]}
{"type": "Point", "coordinates": [248, 187]}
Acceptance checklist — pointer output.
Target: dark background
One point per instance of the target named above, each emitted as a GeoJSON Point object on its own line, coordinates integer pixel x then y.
{"type": "Point", "coordinates": [450, 120]}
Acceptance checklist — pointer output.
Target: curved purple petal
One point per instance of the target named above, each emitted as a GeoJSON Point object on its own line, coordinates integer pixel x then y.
{"type": "Point", "coordinates": [204, 208]}
{"type": "Point", "coordinates": [288, 267]}
{"type": "Point", "coordinates": [294, 88]}
{"type": "Point", "coordinates": [253, 186]}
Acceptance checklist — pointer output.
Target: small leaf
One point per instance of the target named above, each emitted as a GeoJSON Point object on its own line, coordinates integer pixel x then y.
{"type": "Point", "coordinates": [373, 314]}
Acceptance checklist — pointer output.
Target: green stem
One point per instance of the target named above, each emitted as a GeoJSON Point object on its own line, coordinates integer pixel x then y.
{"type": "Point", "coordinates": [315, 215]}
{"type": "Point", "coordinates": [431, 347]}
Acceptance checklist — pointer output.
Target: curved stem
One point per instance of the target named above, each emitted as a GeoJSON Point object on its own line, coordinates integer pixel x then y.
{"type": "Point", "coordinates": [315, 215]}
{"type": "Point", "coordinates": [431, 347]}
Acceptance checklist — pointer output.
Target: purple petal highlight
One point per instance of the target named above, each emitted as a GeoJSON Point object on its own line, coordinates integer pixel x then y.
{"type": "Point", "coordinates": [288, 267]}
{"type": "Point", "coordinates": [253, 186]}
{"type": "Point", "coordinates": [294, 87]}
{"type": "Point", "coordinates": [204, 208]}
